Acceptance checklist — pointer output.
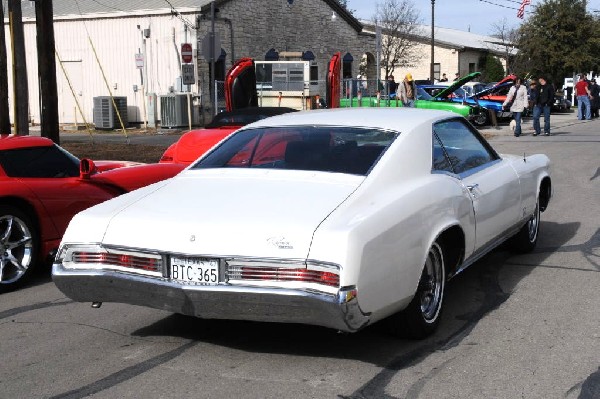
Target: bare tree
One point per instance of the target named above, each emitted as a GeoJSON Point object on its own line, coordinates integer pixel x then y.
{"type": "Point", "coordinates": [507, 37]}
{"type": "Point", "coordinates": [399, 21]}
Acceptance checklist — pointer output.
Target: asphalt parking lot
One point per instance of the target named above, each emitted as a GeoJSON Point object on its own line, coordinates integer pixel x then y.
{"type": "Point", "coordinates": [514, 326]}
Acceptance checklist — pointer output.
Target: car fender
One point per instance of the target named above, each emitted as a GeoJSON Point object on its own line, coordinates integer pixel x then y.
{"type": "Point", "coordinates": [532, 170]}
{"type": "Point", "coordinates": [381, 243]}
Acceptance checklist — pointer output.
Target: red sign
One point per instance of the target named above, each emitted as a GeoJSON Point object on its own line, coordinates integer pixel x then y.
{"type": "Point", "coordinates": [186, 53]}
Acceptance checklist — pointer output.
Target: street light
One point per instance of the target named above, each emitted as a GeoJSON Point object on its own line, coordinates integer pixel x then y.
{"type": "Point", "coordinates": [431, 71]}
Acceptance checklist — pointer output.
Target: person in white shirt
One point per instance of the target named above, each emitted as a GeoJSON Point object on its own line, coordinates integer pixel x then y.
{"type": "Point", "coordinates": [517, 100]}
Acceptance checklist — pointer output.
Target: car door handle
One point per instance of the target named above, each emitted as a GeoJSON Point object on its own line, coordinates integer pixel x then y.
{"type": "Point", "coordinates": [472, 187]}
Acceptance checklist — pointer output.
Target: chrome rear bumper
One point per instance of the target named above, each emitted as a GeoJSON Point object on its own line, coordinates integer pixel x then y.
{"type": "Point", "coordinates": [340, 311]}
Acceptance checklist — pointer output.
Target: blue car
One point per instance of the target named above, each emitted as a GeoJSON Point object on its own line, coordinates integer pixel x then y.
{"type": "Point", "coordinates": [457, 94]}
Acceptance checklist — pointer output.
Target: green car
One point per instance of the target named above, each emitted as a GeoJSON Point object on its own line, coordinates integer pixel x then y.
{"type": "Point", "coordinates": [425, 101]}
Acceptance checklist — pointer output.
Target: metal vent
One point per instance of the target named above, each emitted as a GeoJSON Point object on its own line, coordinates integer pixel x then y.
{"type": "Point", "coordinates": [174, 110]}
{"type": "Point", "coordinates": [105, 115]}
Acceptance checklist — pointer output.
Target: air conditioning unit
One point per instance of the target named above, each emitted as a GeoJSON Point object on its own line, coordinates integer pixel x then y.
{"type": "Point", "coordinates": [105, 115]}
{"type": "Point", "coordinates": [174, 111]}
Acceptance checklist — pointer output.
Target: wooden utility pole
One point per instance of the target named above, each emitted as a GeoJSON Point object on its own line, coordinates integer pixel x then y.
{"type": "Point", "coordinates": [44, 19]}
{"type": "Point", "coordinates": [20, 87]}
{"type": "Point", "coordinates": [4, 113]}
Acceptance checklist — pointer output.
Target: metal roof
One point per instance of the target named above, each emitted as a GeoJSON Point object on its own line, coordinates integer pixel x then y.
{"type": "Point", "coordinates": [90, 8]}
{"type": "Point", "coordinates": [70, 9]}
{"type": "Point", "coordinates": [459, 39]}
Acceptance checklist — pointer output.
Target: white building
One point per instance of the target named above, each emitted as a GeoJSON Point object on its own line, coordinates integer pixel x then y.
{"type": "Point", "coordinates": [455, 51]}
{"type": "Point", "coordinates": [96, 47]}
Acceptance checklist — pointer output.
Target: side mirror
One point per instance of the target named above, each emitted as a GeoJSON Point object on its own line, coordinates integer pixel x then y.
{"type": "Point", "coordinates": [86, 168]}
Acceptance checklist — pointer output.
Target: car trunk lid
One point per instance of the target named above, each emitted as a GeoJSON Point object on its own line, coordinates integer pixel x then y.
{"type": "Point", "coordinates": [233, 212]}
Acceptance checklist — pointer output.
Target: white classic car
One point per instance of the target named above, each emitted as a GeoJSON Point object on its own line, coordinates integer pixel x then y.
{"type": "Point", "coordinates": [337, 218]}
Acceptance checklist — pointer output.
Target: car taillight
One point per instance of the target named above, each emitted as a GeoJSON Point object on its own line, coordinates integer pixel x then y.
{"type": "Point", "coordinates": [166, 158]}
{"type": "Point", "coordinates": [120, 260]}
{"type": "Point", "coordinates": [286, 274]}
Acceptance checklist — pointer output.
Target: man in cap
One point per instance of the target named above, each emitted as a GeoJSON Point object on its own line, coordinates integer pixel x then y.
{"type": "Point", "coordinates": [408, 91]}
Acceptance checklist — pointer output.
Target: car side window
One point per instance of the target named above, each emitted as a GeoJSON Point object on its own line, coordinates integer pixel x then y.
{"type": "Point", "coordinates": [440, 160]}
{"type": "Point", "coordinates": [463, 145]}
{"type": "Point", "coordinates": [43, 162]}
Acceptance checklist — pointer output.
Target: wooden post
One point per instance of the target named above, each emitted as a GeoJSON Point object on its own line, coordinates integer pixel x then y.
{"type": "Point", "coordinates": [20, 86]}
{"type": "Point", "coordinates": [4, 113]}
{"type": "Point", "coordinates": [44, 21]}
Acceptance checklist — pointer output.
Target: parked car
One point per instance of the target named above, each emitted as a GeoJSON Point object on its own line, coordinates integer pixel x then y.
{"type": "Point", "coordinates": [447, 95]}
{"type": "Point", "coordinates": [338, 218]}
{"type": "Point", "coordinates": [424, 101]}
{"type": "Point", "coordinates": [461, 96]}
{"type": "Point", "coordinates": [561, 103]}
{"type": "Point", "coordinates": [42, 187]}
{"type": "Point", "coordinates": [196, 142]}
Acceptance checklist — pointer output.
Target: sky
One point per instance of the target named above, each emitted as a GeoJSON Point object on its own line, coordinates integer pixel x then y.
{"type": "Point", "coordinates": [478, 16]}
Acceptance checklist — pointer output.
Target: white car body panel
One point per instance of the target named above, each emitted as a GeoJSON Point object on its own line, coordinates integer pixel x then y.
{"type": "Point", "coordinates": [377, 229]}
{"type": "Point", "coordinates": [214, 217]}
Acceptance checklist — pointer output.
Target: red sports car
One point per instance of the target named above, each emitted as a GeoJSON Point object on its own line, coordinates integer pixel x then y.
{"type": "Point", "coordinates": [43, 187]}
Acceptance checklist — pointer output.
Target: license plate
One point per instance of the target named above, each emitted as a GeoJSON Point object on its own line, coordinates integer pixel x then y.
{"type": "Point", "coordinates": [195, 270]}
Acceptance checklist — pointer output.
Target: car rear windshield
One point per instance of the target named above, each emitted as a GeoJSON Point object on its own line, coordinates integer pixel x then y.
{"type": "Point", "coordinates": [328, 149]}
{"type": "Point", "coordinates": [50, 161]}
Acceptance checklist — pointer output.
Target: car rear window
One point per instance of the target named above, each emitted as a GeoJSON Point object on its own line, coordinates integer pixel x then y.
{"type": "Point", "coordinates": [50, 161]}
{"type": "Point", "coordinates": [328, 149]}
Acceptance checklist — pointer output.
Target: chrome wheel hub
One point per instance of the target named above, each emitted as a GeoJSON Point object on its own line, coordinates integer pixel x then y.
{"type": "Point", "coordinates": [16, 249]}
{"type": "Point", "coordinates": [533, 224]}
{"type": "Point", "coordinates": [432, 284]}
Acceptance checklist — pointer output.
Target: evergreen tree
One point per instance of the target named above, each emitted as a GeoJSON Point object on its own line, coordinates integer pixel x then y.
{"type": "Point", "coordinates": [491, 68]}
{"type": "Point", "coordinates": [559, 39]}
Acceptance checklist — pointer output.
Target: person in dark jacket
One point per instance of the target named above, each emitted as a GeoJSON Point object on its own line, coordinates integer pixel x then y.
{"type": "Point", "coordinates": [543, 104]}
{"type": "Point", "coordinates": [595, 103]}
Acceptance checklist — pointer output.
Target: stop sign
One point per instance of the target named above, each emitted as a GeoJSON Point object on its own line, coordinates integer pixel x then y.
{"type": "Point", "coordinates": [186, 53]}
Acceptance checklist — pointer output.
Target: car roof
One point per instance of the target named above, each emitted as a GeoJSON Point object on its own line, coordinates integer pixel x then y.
{"type": "Point", "coordinates": [10, 142]}
{"type": "Point", "coordinates": [398, 119]}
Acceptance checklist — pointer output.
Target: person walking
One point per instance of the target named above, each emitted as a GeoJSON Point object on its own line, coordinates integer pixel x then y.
{"type": "Point", "coordinates": [595, 93]}
{"type": "Point", "coordinates": [408, 91]}
{"type": "Point", "coordinates": [582, 91]}
{"type": "Point", "coordinates": [516, 99]}
{"type": "Point", "coordinates": [543, 104]}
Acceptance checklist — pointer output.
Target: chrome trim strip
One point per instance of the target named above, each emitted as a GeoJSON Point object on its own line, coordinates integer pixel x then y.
{"type": "Point", "coordinates": [339, 310]}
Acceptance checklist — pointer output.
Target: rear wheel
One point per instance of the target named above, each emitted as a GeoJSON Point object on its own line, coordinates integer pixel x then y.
{"type": "Point", "coordinates": [18, 247]}
{"type": "Point", "coordinates": [421, 317]}
{"type": "Point", "coordinates": [526, 239]}
{"type": "Point", "coordinates": [482, 118]}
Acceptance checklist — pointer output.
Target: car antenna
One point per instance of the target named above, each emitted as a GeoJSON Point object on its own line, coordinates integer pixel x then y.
{"type": "Point", "coordinates": [524, 158]}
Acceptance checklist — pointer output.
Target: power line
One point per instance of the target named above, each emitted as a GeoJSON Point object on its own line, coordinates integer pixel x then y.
{"type": "Point", "coordinates": [499, 5]}
{"type": "Point", "coordinates": [180, 17]}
